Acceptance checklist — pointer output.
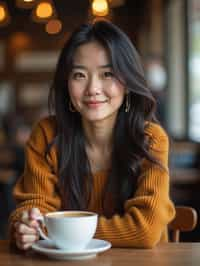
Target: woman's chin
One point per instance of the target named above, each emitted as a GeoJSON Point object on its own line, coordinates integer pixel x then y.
{"type": "Point", "coordinates": [95, 118]}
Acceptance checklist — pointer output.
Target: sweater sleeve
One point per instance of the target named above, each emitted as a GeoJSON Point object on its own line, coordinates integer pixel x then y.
{"type": "Point", "coordinates": [37, 185]}
{"type": "Point", "coordinates": [150, 210]}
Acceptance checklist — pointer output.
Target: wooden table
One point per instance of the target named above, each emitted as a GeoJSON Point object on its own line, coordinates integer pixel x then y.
{"type": "Point", "coordinates": [170, 254]}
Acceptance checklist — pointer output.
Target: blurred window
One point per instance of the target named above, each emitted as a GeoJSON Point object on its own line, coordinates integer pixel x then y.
{"type": "Point", "coordinates": [194, 69]}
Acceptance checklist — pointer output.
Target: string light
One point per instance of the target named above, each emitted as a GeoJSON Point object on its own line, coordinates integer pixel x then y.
{"type": "Point", "coordinates": [44, 11]}
{"type": "Point", "coordinates": [53, 26]}
{"type": "Point", "coordinates": [4, 15]}
{"type": "Point", "coordinates": [100, 8]}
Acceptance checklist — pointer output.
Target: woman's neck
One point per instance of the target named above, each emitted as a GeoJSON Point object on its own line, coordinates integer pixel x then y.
{"type": "Point", "coordinates": [99, 143]}
{"type": "Point", "coordinates": [99, 135]}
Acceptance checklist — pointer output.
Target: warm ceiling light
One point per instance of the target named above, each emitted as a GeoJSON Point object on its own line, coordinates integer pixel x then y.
{"type": "Point", "coordinates": [53, 26]}
{"type": "Point", "coordinates": [100, 8]}
{"type": "Point", "coordinates": [44, 11]}
{"type": "Point", "coordinates": [25, 3]}
{"type": "Point", "coordinates": [4, 15]}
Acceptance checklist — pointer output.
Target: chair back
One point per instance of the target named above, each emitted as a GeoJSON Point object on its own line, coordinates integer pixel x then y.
{"type": "Point", "coordinates": [184, 221]}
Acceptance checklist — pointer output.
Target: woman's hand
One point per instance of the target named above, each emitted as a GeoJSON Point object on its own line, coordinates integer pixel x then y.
{"type": "Point", "coordinates": [26, 229]}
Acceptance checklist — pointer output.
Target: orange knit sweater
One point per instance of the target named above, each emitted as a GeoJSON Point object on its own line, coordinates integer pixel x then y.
{"type": "Point", "coordinates": [146, 215]}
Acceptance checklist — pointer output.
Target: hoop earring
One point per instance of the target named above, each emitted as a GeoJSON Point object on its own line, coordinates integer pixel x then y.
{"type": "Point", "coordinates": [71, 108]}
{"type": "Point", "coordinates": [127, 105]}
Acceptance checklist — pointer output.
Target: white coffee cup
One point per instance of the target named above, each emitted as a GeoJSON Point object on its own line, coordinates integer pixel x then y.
{"type": "Point", "coordinates": [69, 230]}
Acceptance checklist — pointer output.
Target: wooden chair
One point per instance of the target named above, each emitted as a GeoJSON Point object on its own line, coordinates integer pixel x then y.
{"type": "Point", "coordinates": [184, 221]}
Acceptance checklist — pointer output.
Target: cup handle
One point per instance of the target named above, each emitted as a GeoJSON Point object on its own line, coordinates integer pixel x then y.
{"type": "Point", "coordinates": [39, 229]}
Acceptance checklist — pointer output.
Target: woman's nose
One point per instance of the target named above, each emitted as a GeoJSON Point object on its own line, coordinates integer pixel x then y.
{"type": "Point", "coordinates": [94, 86]}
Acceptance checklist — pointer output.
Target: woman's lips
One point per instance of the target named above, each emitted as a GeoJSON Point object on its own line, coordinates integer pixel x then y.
{"type": "Point", "coordinates": [93, 104]}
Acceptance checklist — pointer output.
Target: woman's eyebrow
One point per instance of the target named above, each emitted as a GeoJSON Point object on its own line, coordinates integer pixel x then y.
{"type": "Point", "coordinates": [84, 67]}
{"type": "Point", "coordinates": [78, 66]}
{"type": "Point", "coordinates": [106, 66]}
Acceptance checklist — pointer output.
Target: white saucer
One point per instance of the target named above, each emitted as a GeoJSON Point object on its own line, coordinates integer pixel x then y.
{"type": "Point", "coordinates": [47, 248]}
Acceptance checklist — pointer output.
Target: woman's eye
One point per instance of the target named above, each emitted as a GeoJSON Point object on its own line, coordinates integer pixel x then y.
{"type": "Point", "coordinates": [108, 74]}
{"type": "Point", "coordinates": [78, 75]}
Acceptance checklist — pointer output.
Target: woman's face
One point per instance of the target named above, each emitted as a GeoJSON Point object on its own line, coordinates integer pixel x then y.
{"type": "Point", "coordinates": [94, 91]}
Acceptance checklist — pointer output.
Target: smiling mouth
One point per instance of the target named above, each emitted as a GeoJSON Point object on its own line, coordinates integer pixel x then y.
{"type": "Point", "coordinates": [95, 103]}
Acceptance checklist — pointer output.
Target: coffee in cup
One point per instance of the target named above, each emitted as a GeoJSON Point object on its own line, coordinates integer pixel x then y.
{"type": "Point", "coordinates": [69, 230]}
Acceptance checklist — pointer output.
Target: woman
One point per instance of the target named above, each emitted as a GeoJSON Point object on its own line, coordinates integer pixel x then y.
{"type": "Point", "coordinates": [103, 150]}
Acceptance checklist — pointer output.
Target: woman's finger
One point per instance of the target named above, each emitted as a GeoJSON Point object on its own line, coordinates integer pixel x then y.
{"type": "Point", "coordinates": [22, 228]}
{"type": "Point", "coordinates": [34, 213]}
{"type": "Point", "coordinates": [27, 239]}
{"type": "Point", "coordinates": [23, 246]}
{"type": "Point", "coordinates": [25, 217]}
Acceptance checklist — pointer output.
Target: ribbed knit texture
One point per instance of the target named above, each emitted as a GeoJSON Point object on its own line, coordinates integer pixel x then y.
{"type": "Point", "coordinates": [147, 214]}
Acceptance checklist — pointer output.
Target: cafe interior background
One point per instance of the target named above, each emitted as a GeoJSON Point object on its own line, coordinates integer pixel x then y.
{"type": "Point", "coordinates": [167, 36]}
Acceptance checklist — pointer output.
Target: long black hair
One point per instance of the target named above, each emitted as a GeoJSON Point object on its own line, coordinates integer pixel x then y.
{"type": "Point", "coordinates": [130, 144]}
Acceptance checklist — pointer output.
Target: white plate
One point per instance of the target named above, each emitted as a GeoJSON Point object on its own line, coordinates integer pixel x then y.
{"type": "Point", "coordinates": [47, 248]}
